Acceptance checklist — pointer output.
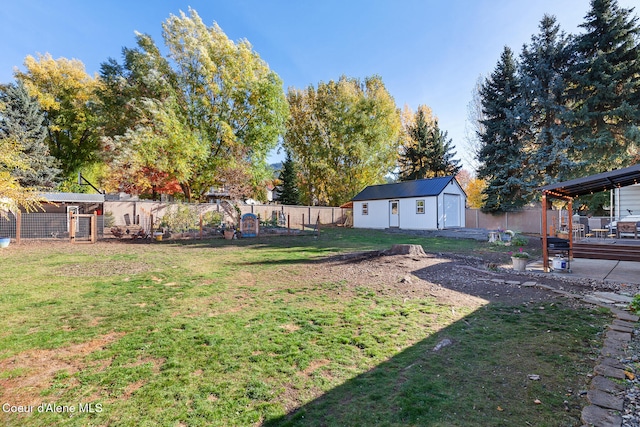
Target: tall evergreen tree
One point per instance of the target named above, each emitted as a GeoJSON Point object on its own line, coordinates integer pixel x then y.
{"type": "Point", "coordinates": [606, 87]}
{"type": "Point", "coordinates": [288, 189]}
{"type": "Point", "coordinates": [427, 153]}
{"type": "Point", "coordinates": [414, 157]}
{"type": "Point", "coordinates": [22, 121]}
{"type": "Point", "coordinates": [543, 73]}
{"type": "Point", "coordinates": [502, 163]}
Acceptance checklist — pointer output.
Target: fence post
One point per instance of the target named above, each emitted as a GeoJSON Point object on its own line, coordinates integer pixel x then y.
{"type": "Point", "coordinates": [94, 227]}
{"type": "Point", "coordinates": [72, 228]}
{"type": "Point", "coordinates": [18, 226]}
{"type": "Point", "coordinates": [302, 222]}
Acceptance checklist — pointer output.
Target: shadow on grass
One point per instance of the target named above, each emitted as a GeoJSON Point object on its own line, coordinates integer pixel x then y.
{"type": "Point", "coordinates": [474, 372]}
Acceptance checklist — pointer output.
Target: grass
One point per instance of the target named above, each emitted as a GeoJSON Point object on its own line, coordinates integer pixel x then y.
{"type": "Point", "coordinates": [240, 333]}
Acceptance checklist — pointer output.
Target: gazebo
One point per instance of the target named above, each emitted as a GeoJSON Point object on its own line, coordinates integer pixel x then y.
{"type": "Point", "coordinates": [568, 190]}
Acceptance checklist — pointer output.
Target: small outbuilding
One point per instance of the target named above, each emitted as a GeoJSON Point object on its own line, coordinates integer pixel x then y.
{"type": "Point", "coordinates": [422, 204]}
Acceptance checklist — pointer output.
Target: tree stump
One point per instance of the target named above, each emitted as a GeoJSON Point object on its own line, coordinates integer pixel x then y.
{"type": "Point", "coordinates": [415, 250]}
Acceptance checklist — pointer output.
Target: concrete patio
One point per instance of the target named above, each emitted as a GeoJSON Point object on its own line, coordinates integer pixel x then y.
{"type": "Point", "coordinates": [597, 269]}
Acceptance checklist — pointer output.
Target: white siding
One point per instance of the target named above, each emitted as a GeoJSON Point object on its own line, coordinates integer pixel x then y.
{"type": "Point", "coordinates": [629, 199]}
{"type": "Point", "coordinates": [378, 216]}
{"type": "Point", "coordinates": [452, 188]}
{"type": "Point", "coordinates": [433, 218]}
{"type": "Point", "coordinates": [411, 220]}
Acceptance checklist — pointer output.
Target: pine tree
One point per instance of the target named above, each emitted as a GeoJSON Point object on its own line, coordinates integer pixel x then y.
{"type": "Point", "coordinates": [606, 87]}
{"type": "Point", "coordinates": [502, 163]}
{"type": "Point", "coordinates": [288, 190]}
{"type": "Point", "coordinates": [428, 152]}
{"type": "Point", "coordinates": [22, 120]}
{"type": "Point", "coordinates": [442, 161]}
{"type": "Point", "coordinates": [543, 73]}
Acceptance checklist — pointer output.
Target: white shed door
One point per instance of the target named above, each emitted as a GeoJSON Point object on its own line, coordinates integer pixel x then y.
{"type": "Point", "coordinates": [394, 213]}
{"type": "Point", "coordinates": [452, 210]}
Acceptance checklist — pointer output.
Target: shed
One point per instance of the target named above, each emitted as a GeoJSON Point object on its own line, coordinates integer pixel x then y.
{"type": "Point", "coordinates": [422, 204]}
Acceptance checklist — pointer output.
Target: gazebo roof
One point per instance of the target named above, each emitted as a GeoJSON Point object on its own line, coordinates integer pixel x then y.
{"type": "Point", "coordinates": [594, 183]}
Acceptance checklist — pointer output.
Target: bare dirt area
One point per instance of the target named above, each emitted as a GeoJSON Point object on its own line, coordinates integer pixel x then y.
{"type": "Point", "coordinates": [453, 279]}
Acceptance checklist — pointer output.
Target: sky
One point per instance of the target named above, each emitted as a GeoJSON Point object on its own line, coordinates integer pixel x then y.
{"type": "Point", "coordinates": [428, 52]}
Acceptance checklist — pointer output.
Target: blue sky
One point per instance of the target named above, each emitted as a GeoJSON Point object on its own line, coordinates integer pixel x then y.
{"type": "Point", "coordinates": [427, 52]}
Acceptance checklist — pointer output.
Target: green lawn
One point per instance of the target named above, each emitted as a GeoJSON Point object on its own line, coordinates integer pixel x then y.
{"type": "Point", "coordinates": [240, 333]}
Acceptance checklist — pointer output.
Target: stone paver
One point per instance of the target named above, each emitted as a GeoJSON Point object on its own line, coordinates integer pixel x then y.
{"type": "Point", "coordinates": [621, 328]}
{"type": "Point", "coordinates": [623, 315]}
{"type": "Point", "coordinates": [596, 416]}
{"type": "Point", "coordinates": [605, 384]}
{"type": "Point", "coordinates": [619, 336]}
{"type": "Point", "coordinates": [612, 296]}
{"type": "Point", "coordinates": [609, 372]}
{"type": "Point", "coordinates": [611, 362]}
{"type": "Point", "coordinates": [605, 400]}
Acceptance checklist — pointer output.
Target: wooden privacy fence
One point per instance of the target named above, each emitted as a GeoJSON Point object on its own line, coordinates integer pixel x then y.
{"type": "Point", "coordinates": [526, 221]}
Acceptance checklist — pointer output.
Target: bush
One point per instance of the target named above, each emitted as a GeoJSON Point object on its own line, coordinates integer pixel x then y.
{"type": "Point", "coordinates": [212, 219]}
{"type": "Point", "coordinates": [109, 219]}
{"type": "Point", "coordinates": [180, 218]}
{"type": "Point", "coordinates": [635, 304]}
{"type": "Point", "coordinates": [519, 240]}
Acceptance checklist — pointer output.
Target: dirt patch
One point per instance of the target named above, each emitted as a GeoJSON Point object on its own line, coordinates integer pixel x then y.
{"type": "Point", "coordinates": [31, 372]}
{"type": "Point", "coordinates": [455, 280]}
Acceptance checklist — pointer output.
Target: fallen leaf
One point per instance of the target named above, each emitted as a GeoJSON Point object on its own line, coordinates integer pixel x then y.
{"type": "Point", "coordinates": [629, 375]}
{"type": "Point", "coordinates": [500, 409]}
{"type": "Point", "coordinates": [537, 402]}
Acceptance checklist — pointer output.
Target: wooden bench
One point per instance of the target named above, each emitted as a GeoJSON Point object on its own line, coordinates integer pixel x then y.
{"type": "Point", "coordinates": [627, 227]}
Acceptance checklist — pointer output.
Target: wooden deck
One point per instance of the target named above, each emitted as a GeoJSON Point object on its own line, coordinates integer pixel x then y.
{"type": "Point", "coordinates": [615, 249]}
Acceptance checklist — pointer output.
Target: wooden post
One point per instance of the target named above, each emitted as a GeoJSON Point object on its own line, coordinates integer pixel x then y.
{"type": "Point", "coordinates": [288, 224]}
{"type": "Point", "coordinates": [302, 222]}
{"type": "Point", "coordinates": [318, 226]}
{"type": "Point", "coordinates": [570, 221]}
{"type": "Point", "coordinates": [545, 250]}
{"type": "Point", "coordinates": [94, 227]}
{"type": "Point", "coordinates": [18, 226]}
{"type": "Point", "coordinates": [72, 228]}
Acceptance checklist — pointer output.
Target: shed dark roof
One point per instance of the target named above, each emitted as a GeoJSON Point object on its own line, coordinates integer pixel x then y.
{"type": "Point", "coordinates": [73, 197]}
{"type": "Point", "coordinates": [400, 190]}
{"type": "Point", "coordinates": [595, 183]}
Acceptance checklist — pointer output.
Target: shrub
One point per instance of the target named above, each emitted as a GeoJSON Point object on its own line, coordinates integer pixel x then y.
{"type": "Point", "coordinates": [180, 218]}
{"type": "Point", "coordinates": [635, 304]}
{"type": "Point", "coordinates": [212, 219]}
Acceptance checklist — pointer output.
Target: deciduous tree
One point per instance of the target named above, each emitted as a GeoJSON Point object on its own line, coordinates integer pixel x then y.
{"type": "Point", "coordinates": [66, 94]}
{"type": "Point", "coordinates": [222, 102]}
{"type": "Point", "coordinates": [343, 136]}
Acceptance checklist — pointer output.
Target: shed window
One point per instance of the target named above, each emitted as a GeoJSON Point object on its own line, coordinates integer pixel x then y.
{"type": "Point", "coordinates": [419, 206]}
{"type": "Point", "coordinates": [365, 209]}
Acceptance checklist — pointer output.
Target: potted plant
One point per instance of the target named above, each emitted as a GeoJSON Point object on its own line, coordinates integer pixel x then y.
{"type": "Point", "coordinates": [229, 231]}
{"type": "Point", "coordinates": [520, 260]}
